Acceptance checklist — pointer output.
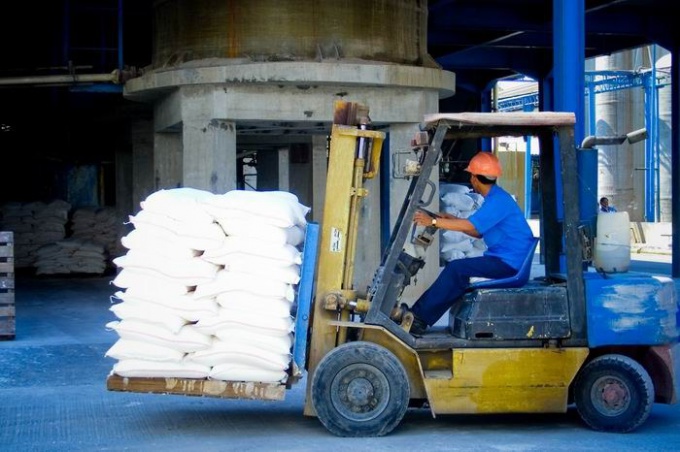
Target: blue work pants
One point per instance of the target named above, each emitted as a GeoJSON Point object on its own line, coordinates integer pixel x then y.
{"type": "Point", "coordinates": [452, 283]}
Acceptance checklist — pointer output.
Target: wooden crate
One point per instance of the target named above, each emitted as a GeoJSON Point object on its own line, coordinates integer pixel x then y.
{"type": "Point", "coordinates": [7, 309]}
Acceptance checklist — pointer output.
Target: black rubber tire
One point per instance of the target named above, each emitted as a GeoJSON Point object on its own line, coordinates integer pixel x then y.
{"type": "Point", "coordinates": [360, 389]}
{"type": "Point", "coordinates": [625, 383]}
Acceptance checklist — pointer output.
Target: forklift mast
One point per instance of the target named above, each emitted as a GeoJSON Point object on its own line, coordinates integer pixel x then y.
{"type": "Point", "coordinates": [348, 167]}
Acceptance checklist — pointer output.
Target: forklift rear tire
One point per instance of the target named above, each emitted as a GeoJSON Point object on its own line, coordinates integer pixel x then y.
{"type": "Point", "coordinates": [613, 393]}
{"type": "Point", "coordinates": [360, 389]}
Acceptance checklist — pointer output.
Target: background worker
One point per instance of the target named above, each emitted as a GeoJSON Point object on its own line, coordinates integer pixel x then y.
{"type": "Point", "coordinates": [604, 205]}
{"type": "Point", "coordinates": [499, 221]}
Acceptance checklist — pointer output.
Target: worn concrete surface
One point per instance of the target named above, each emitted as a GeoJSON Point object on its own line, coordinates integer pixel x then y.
{"type": "Point", "coordinates": [53, 397]}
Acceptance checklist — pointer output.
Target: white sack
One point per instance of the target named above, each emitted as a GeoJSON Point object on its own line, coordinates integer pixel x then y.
{"type": "Point", "coordinates": [238, 227]}
{"type": "Point", "coordinates": [191, 271]}
{"type": "Point", "coordinates": [237, 336]}
{"type": "Point", "coordinates": [169, 245]}
{"type": "Point", "coordinates": [463, 245]}
{"type": "Point", "coordinates": [130, 349]}
{"type": "Point", "coordinates": [277, 208]}
{"type": "Point", "coordinates": [185, 305]}
{"type": "Point", "coordinates": [269, 326]}
{"type": "Point", "coordinates": [151, 281]}
{"type": "Point", "coordinates": [229, 281]}
{"type": "Point", "coordinates": [160, 369]}
{"type": "Point", "coordinates": [452, 254]}
{"type": "Point", "coordinates": [146, 312]}
{"type": "Point", "coordinates": [288, 275]}
{"type": "Point", "coordinates": [479, 244]}
{"type": "Point", "coordinates": [474, 253]}
{"type": "Point", "coordinates": [239, 353]}
{"type": "Point", "coordinates": [283, 255]}
{"type": "Point", "coordinates": [199, 236]}
{"type": "Point", "coordinates": [183, 204]}
{"type": "Point", "coordinates": [458, 201]}
{"type": "Point", "coordinates": [234, 372]}
{"type": "Point", "coordinates": [186, 340]}
{"type": "Point", "coordinates": [244, 301]}
{"type": "Point", "coordinates": [454, 237]}
{"type": "Point", "coordinates": [445, 189]}
{"type": "Point", "coordinates": [478, 200]}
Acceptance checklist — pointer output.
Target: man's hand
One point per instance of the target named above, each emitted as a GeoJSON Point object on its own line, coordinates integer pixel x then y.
{"type": "Point", "coordinates": [445, 221]}
{"type": "Point", "coordinates": [422, 218]}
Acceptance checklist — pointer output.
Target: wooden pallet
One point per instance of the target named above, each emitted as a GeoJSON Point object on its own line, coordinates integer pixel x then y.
{"type": "Point", "coordinates": [7, 309]}
{"type": "Point", "coordinates": [195, 387]}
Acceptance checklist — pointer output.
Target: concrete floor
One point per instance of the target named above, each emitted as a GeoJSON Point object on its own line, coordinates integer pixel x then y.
{"type": "Point", "coordinates": [53, 397]}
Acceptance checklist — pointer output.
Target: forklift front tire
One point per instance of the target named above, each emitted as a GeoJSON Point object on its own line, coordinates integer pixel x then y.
{"type": "Point", "coordinates": [360, 389]}
{"type": "Point", "coordinates": [613, 393]}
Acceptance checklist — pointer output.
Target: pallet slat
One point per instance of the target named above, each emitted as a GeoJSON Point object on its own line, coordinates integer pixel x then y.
{"type": "Point", "coordinates": [200, 388]}
{"type": "Point", "coordinates": [7, 283]}
{"type": "Point", "coordinates": [7, 309]}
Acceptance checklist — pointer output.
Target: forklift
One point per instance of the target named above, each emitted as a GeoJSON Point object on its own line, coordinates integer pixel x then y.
{"type": "Point", "coordinates": [604, 342]}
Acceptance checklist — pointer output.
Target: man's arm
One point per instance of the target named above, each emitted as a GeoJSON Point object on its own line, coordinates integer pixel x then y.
{"type": "Point", "coordinates": [448, 222]}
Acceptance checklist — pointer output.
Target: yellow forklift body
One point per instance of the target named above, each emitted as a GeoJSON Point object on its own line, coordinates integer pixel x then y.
{"type": "Point", "coordinates": [524, 380]}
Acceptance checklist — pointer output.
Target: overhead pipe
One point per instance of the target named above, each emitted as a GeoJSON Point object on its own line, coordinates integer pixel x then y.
{"type": "Point", "coordinates": [631, 137]}
{"type": "Point", "coordinates": [116, 77]}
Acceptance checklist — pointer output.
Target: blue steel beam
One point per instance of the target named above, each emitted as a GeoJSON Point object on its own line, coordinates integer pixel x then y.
{"type": "Point", "coordinates": [569, 91]}
{"type": "Point", "coordinates": [597, 82]}
{"type": "Point", "coordinates": [517, 103]}
{"type": "Point", "coordinates": [675, 158]}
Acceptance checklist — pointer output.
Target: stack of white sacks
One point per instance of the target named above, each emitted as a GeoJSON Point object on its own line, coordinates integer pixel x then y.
{"type": "Point", "coordinates": [208, 285]}
{"type": "Point", "coordinates": [35, 224]}
{"type": "Point", "coordinates": [98, 225]}
{"type": "Point", "coordinates": [70, 255]}
{"type": "Point", "coordinates": [462, 202]}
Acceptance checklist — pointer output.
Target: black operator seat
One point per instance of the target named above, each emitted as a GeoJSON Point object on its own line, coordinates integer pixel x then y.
{"type": "Point", "coordinates": [532, 312]}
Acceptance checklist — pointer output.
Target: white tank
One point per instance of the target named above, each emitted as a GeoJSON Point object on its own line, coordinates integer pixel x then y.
{"type": "Point", "coordinates": [612, 244]}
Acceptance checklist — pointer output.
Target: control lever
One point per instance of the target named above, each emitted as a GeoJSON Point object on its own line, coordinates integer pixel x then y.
{"type": "Point", "coordinates": [424, 239]}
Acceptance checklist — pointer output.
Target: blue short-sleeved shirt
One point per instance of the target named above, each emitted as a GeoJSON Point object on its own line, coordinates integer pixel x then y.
{"type": "Point", "coordinates": [503, 227]}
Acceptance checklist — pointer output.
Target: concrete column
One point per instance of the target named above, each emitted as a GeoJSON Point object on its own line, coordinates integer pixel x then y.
{"type": "Point", "coordinates": [284, 168]}
{"type": "Point", "coordinates": [267, 170]}
{"type": "Point", "coordinates": [300, 174]}
{"type": "Point", "coordinates": [124, 202]}
{"type": "Point", "coordinates": [142, 161]}
{"type": "Point", "coordinates": [167, 149]}
{"type": "Point", "coordinates": [209, 159]}
{"type": "Point", "coordinates": [399, 143]}
{"type": "Point", "coordinates": [319, 172]}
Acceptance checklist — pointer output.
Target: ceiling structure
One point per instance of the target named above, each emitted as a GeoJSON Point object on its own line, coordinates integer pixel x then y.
{"type": "Point", "coordinates": [485, 40]}
{"type": "Point", "coordinates": [479, 40]}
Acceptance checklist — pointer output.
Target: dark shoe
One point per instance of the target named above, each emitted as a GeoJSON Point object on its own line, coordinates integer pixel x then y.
{"type": "Point", "coordinates": [398, 312]}
{"type": "Point", "coordinates": [418, 326]}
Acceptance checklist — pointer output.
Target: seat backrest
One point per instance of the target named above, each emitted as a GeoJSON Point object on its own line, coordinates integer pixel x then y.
{"type": "Point", "coordinates": [517, 280]}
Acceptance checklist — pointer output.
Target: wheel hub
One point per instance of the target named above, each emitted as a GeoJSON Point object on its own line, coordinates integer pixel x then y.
{"type": "Point", "coordinates": [611, 396]}
{"type": "Point", "coordinates": [614, 395]}
{"type": "Point", "coordinates": [360, 392]}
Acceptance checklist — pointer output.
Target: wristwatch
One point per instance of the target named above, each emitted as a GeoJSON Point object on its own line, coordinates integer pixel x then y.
{"type": "Point", "coordinates": [434, 222]}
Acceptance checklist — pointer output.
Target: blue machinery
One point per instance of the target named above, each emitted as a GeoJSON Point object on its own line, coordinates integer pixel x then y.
{"type": "Point", "coordinates": [597, 82]}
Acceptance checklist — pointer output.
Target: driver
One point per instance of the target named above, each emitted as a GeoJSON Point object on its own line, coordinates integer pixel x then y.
{"type": "Point", "coordinates": [499, 221]}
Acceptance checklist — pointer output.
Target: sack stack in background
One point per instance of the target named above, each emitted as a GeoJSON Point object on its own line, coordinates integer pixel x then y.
{"type": "Point", "coordinates": [209, 283]}
{"type": "Point", "coordinates": [54, 242]}
{"type": "Point", "coordinates": [100, 226]}
{"type": "Point", "coordinates": [460, 201]}
{"type": "Point", "coordinates": [34, 224]}
{"type": "Point", "coordinates": [70, 256]}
